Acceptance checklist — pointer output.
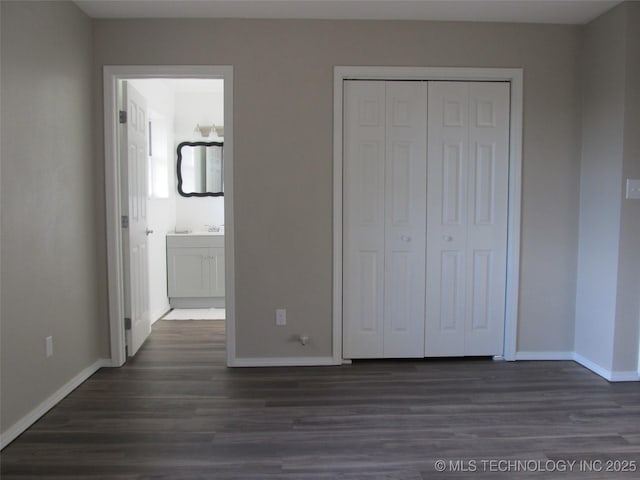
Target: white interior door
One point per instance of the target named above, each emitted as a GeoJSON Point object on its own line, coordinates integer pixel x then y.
{"type": "Point", "coordinates": [405, 198]}
{"type": "Point", "coordinates": [384, 219]}
{"type": "Point", "coordinates": [468, 137]}
{"type": "Point", "coordinates": [136, 254]}
{"type": "Point", "coordinates": [447, 217]}
{"type": "Point", "coordinates": [363, 217]}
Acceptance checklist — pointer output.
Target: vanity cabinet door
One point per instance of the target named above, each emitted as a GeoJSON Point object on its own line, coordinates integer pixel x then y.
{"type": "Point", "coordinates": [189, 272]}
{"type": "Point", "coordinates": [216, 258]}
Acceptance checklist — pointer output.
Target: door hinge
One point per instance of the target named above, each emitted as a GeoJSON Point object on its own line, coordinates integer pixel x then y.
{"type": "Point", "coordinates": [123, 116]}
{"type": "Point", "coordinates": [125, 221]}
{"type": "Point", "coordinates": [127, 323]}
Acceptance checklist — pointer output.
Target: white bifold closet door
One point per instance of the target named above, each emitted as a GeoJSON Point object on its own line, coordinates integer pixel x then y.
{"type": "Point", "coordinates": [384, 218]}
{"type": "Point", "coordinates": [468, 138]}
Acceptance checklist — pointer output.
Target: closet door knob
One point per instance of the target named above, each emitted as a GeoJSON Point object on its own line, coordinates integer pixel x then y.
{"type": "Point", "coordinates": [405, 238]}
{"type": "Point", "coordinates": [149, 232]}
{"type": "Point", "coordinates": [447, 238]}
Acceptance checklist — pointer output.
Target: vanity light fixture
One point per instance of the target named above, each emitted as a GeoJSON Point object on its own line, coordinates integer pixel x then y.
{"type": "Point", "coordinates": [205, 130]}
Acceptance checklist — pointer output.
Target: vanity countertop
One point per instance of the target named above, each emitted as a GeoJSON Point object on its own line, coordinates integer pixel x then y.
{"type": "Point", "coordinates": [195, 240]}
{"type": "Point", "coordinates": [196, 234]}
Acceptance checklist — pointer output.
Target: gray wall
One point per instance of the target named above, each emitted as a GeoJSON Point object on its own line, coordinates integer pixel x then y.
{"type": "Point", "coordinates": [601, 187]}
{"type": "Point", "coordinates": [626, 341]}
{"type": "Point", "coordinates": [283, 73]}
{"type": "Point", "coordinates": [608, 285]}
{"type": "Point", "coordinates": [49, 267]}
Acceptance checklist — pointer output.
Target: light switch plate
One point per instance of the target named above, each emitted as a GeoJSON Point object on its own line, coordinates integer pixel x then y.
{"type": "Point", "coordinates": [633, 189]}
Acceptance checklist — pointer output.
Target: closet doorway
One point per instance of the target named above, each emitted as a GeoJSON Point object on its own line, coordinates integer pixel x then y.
{"type": "Point", "coordinates": [426, 212]}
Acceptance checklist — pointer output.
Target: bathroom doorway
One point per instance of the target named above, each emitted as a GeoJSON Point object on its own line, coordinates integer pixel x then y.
{"type": "Point", "coordinates": [185, 196]}
{"type": "Point", "coordinates": [187, 116]}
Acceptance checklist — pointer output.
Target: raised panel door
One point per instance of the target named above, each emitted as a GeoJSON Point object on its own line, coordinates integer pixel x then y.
{"type": "Point", "coordinates": [467, 218]}
{"type": "Point", "coordinates": [136, 272]}
{"type": "Point", "coordinates": [448, 158]}
{"type": "Point", "coordinates": [487, 223]}
{"type": "Point", "coordinates": [405, 187]}
{"type": "Point", "coordinates": [363, 219]}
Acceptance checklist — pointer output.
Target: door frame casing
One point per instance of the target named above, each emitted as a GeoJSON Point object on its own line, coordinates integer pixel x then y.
{"type": "Point", "coordinates": [512, 75]}
{"type": "Point", "coordinates": [112, 74]}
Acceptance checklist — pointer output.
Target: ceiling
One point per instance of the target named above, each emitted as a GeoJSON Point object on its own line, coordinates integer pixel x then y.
{"type": "Point", "coordinates": [522, 11]}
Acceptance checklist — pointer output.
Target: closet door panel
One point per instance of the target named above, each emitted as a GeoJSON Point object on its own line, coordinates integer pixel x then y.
{"type": "Point", "coordinates": [448, 155]}
{"type": "Point", "coordinates": [405, 218]}
{"type": "Point", "coordinates": [451, 174]}
{"type": "Point", "coordinates": [363, 219]}
{"type": "Point", "coordinates": [487, 225]}
{"type": "Point", "coordinates": [451, 307]}
{"type": "Point", "coordinates": [467, 218]}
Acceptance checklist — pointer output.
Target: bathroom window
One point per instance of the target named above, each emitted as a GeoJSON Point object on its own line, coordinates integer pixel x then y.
{"type": "Point", "coordinates": [158, 161]}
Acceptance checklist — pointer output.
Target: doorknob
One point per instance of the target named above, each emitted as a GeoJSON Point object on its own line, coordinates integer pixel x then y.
{"type": "Point", "coordinates": [405, 238]}
{"type": "Point", "coordinates": [149, 232]}
{"type": "Point", "coordinates": [447, 238]}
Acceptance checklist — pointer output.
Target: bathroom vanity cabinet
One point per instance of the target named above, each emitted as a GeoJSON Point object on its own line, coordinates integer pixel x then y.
{"type": "Point", "coordinates": [195, 270]}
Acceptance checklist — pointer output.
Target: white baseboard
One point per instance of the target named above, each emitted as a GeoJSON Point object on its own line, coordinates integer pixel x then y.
{"type": "Point", "coordinates": [544, 355]}
{"type": "Point", "coordinates": [284, 362]}
{"type": "Point", "coordinates": [34, 415]}
{"type": "Point", "coordinates": [610, 375]}
{"type": "Point", "coordinates": [631, 376]}
{"type": "Point", "coordinates": [622, 376]}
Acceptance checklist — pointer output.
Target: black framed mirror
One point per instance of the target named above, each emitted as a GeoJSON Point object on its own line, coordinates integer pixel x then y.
{"type": "Point", "coordinates": [200, 169]}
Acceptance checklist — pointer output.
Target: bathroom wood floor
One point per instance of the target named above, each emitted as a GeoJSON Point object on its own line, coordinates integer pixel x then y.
{"type": "Point", "coordinates": [176, 412]}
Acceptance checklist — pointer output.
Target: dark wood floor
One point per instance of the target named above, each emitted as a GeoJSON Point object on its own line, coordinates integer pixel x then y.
{"type": "Point", "coordinates": [176, 412]}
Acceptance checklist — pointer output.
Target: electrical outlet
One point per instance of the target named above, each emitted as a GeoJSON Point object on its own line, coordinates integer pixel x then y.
{"type": "Point", "coordinates": [633, 189]}
{"type": "Point", "coordinates": [48, 346]}
{"type": "Point", "coordinates": [281, 317]}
